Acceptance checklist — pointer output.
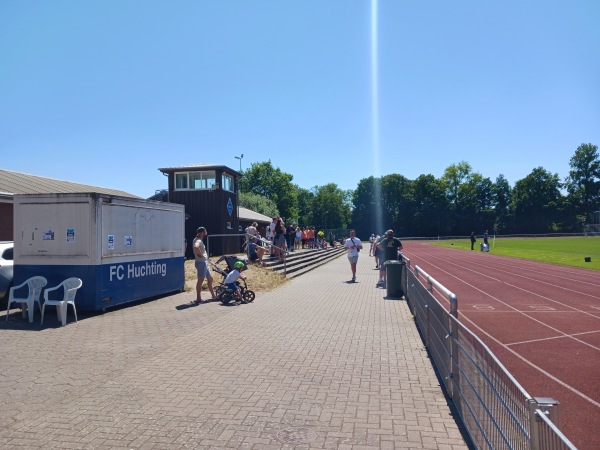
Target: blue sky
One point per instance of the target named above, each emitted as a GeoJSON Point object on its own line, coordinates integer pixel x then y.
{"type": "Point", "coordinates": [105, 93]}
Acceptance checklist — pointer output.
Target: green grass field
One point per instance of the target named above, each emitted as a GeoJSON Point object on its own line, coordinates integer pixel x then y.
{"type": "Point", "coordinates": [568, 251]}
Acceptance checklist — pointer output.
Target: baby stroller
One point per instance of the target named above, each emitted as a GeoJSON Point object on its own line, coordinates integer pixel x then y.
{"type": "Point", "coordinates": [223, 292]}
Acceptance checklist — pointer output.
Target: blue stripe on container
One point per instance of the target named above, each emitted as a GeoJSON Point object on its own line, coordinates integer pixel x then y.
{"type": "Point", "coordinates": [112, 284]}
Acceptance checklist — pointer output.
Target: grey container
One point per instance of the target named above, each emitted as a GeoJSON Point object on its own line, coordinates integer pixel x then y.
{"type": "Point", "coordinates": [394, 272]}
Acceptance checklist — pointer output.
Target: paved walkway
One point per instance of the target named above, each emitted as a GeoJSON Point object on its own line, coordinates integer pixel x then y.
{"type": "Point", "coordinates": [318, 363]}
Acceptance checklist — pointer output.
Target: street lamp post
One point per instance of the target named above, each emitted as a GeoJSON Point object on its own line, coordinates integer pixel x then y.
{"type": "Point", "coordinates": [240, 158]}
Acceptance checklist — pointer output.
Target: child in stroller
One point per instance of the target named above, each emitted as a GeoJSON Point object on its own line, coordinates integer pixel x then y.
{"type": "Point", "coordinates": [232, 277]}
{"type": "Point", "coordinates": [233, 284]}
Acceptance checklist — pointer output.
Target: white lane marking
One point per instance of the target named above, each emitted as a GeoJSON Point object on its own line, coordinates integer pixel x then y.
{"type": "Point", "coordinates": [553, 337]}
{"type": "Point", "coordinates": [548, 374]}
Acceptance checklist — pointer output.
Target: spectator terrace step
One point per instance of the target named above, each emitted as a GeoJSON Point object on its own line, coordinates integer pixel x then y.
{"type": "Point", "coordinates": [301, 261]}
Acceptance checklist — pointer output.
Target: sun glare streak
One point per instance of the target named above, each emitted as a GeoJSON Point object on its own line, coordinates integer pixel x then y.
{"type": "Point", "coordinates": [375, 116]}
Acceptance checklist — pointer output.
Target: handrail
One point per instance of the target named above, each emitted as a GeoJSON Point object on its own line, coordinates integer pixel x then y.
{"type": "Point", "coordinates": [440, 287]}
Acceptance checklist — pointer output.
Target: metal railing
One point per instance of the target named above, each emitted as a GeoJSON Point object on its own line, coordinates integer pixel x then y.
{"type": "Point", "coordinates": [244, 246]}
{"type": "Point", "coordinates": [496, 411]}
{"type": "Point", "coordinates": [547, 433]}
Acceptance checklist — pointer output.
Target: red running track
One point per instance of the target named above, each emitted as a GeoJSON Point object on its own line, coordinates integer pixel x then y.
{"type": "Point", "coordinates": [541, 320]}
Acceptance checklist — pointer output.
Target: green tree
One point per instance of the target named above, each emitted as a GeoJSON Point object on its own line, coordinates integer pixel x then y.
{"type": "Point", "coordinates": [459, 199]}
{"type": "Point", "coordinates": [364, 206]}
{"type": "Point", "coordinates": [431, 206]}
{"type": "Point", "coordinates": [330, 207]}
{"type": "Point", "coordinates": [304, 197]}
{"type": "Point", "coordinates": [474, 204]}
{"type": "Point", "coordinates": [268, 181]}
{"type": "Point", "coordinates": [583, 182]}
{"type": "Point", "coordinates": [258, 203]}
{"type": "Point", "coordinates": [535, 201]}
{"type": "Point", "coordinates": [397, 203]}
{"type": "Point", "coordinates": [454, 176]}
{"type": "Point", "coordinates": [502, 200]}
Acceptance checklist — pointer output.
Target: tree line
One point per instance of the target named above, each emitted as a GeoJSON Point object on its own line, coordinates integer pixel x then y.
{"type": "Point", "coordinates": [458, 202]}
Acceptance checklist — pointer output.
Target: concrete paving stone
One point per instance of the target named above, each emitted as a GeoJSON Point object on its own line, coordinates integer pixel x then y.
{"type": "Point", "coordinates": [318, 352]}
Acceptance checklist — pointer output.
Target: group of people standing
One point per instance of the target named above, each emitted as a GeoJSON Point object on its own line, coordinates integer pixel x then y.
{"type": "Point", "coordinates": [384, 249]}
{"type": "Point", "coordinates": [292, 237]}
{"type": "Point", "coordinates": [486, 245]}
{"type": "Point", "coordinates": [282, 237]}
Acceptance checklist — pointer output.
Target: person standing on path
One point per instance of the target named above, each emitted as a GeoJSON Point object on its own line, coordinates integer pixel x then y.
{"type": "Point", "coordinates": [473, 240]}
{"type": "Point", "coordinates": [376, 252]}
{"type": "Point", "coordinates": [271, 235]}
{"type": "Point", "coordinates": [201, 265]}
{"type": "Point", "coordinates": [372, 242]}
{"type": "Point", "coordinates": [390, 247]}
{"type": "Point", "coordinates": [354, 245]}
{"type": "Point", "coordinates": [290, 236]}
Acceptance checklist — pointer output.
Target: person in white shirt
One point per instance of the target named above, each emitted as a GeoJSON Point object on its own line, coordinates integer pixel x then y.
{"type": "Point", "coordinates": [354, 245]}
{"type": "Point", "coordinates": [271, 234]}
{"type": "Point", "coordinates": [251, 229]}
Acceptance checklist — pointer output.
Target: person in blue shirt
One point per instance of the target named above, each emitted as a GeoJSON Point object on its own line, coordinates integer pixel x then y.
{"type": "Point", "coordinates": [255, 252]}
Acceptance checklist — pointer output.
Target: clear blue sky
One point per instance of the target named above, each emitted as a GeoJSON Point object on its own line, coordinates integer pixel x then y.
{"type": "Point", "coordinates": [107, 92]}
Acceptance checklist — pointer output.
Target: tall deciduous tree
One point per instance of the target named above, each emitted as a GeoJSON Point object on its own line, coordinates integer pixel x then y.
{"type": "Point", "coordinates": [397, 203]}
{"type": "Point", "coordinates": [474, 204]}
{"type": "Point", "coordinates": [583, 182]}
{"type": "Point", "coordinates": [430, 206]}
{"type": "Point", "coordinates": [364, 201]}
{"type": "Point", "coordinates": [304, 197]}
{"type": "Point", "coordinates": [330, 207]}
{"type": "Point", "coordinates": [502, 202]}
{"type": "Point", "coordinates": [268, 181]}
{"type": "Point", "coordinates": [455, 176]}
{"type": "Point", "coordinates": [535, 201]}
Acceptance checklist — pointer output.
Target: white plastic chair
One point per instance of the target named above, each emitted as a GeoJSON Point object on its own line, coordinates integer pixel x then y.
{"type": "Point", "coordinates": [35, 285]}
{"type": "Point", "coordinates": [70, 286]}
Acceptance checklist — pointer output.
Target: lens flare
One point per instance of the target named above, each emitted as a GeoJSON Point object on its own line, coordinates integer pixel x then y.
{"type": "Point", "coordinates": [375, 117]}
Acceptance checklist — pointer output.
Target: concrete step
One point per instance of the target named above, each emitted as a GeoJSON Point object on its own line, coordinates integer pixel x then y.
{"type": "Point", "coordinates": [302, 261]}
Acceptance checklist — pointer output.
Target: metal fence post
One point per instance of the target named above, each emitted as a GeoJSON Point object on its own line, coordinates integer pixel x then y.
{"type": "Point", "coordinates": [534, 430]}
{"type": "Point", "coordinates": [405, 268]}
{"type": "Point", "coordinates": [454, 354]}
{"type": "Point", "coordinates": [426, 326]}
